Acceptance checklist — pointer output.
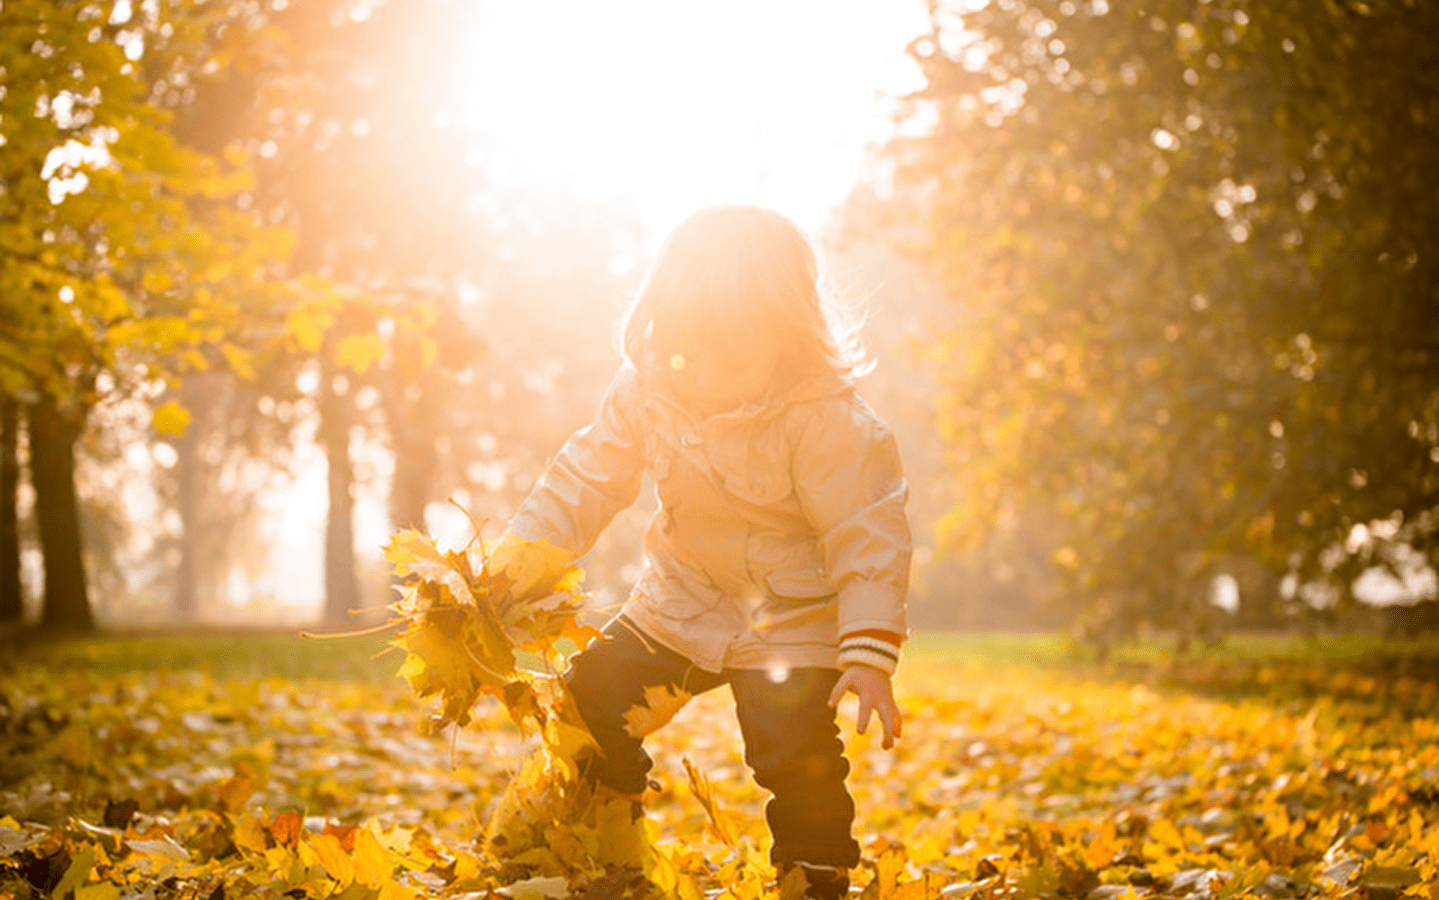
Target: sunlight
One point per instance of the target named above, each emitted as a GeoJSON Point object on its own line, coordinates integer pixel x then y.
{"type": "Point", "coordinates": [675, 105]}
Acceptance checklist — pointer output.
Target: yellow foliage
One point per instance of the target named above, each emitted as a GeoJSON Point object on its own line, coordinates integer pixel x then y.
{"type": "Point", "coordinates": [333, 857]}
{"type": "Point", "coordinates": [240, 360]}
{"type": "Point", "coordinates": [307, 325]}
{"type": "Point", "coordinates": [171, 419]}
{"type": "Point", "coordinates": [1013, 781]}
{"type": "Point", "coordinates": [359, 351]}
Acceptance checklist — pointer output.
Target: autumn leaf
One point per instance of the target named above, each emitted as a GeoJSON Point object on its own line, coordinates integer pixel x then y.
{"type": "Point", "coordinates": [333, 857]}
{"type": "Point", "coordinates": [250, 834]}
{"type": "Point", "coordinates": [76, 873]}
{"type": "Point", "coordinates": [170, 419]}
{"type": "Point", "coordinates": [549, 888]}
{"type": "Point", "coordinates": [105, 890]}
{"type": "Point", "coordinates": [233, 792]}
{"type": "Point", "coordinates": [719, 823]}
{"type": "Point", "coordinates": [307, 325]}
{"type": "Point", "coordinates": [660, 705]}
{"type": "Point", "coordinates": [240, 360]}
{"type": "Point", "coordinates": [287, 828]}
{"type": "Point", "coordinates": [359, 352]}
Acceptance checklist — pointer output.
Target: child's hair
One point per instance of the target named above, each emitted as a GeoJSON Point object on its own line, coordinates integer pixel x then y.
{"type": "Point", "coordinates": [728, 270]}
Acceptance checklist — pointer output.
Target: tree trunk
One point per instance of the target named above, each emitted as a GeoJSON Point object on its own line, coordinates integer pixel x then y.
{"type": "Point", "coordinates": [52, 470]}
{"type": "Point", "coordinates": [186, 600]}
{"type": "Point", "coordinates": [415, 461]}
{"type": "Point", "coordinates": [11, 601]}
{"type": "Point", "coordinates": [342, 589]}
{"type": "Point", "coordinates": [187, 587]}
{"type": "Point", "coordinates": [410, 409]}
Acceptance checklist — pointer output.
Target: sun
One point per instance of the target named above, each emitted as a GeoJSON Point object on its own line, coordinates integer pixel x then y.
{"type": "Point", "coordinates": [677, 104]}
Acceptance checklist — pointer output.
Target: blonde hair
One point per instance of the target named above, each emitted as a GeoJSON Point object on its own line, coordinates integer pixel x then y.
{"type": "Point", "coordinates": [728, 270]}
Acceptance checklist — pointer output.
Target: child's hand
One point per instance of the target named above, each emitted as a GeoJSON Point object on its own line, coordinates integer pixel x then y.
{"type": "Point", "coordinates": [875, 695]}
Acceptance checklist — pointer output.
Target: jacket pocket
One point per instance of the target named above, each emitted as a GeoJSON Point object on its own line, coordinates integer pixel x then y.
{"type": "Point", "coordinates": [799, 584]}
{"type": "Point", "coordinates": [675, 594]}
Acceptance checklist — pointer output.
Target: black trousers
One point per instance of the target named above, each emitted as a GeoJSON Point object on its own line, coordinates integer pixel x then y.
{"type": "Point", "coordinates": [791, 740]}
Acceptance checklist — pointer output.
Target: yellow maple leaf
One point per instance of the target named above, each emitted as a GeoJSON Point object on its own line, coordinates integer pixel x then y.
{"type": "Point", "coordinates": [105, 890]}
{"type": "Point", "coordinates": [308, 325]}
{"type": "Point", "coordinates": [1167, 835]}
{"type": "Point", "coordinates": [412, 553]}
{"type": "Point", "coordinates": [359, 351]}
{"type": "Point", "coordinates": [661, 704]}
{"type": "Point", "coordinates": [170, 419]}
{"type": "Point", "coordinates": [250, 834]}
{"type": "Point", "coordinates": [567, 742]}
{"type": "Point", "coordinates": [533, 569]}
{"type": "Point", "coordinates": [332, 856]}
{"type": "Point", "coordinates": [618, 832]}
{"type": "Point", "coordinates": [720, 824]}
{"type": "Point", "coordinates": [393, 890]}
{"type": "Point", "coordinates": [551, 887]}
{"type": "Point", "coordinates": [374, 865]}
{"type": "Point", "coordinates": [234, 792]}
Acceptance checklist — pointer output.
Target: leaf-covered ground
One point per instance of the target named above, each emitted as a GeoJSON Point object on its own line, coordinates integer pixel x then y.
{"type": "Point", "coordinates": [217, 767]}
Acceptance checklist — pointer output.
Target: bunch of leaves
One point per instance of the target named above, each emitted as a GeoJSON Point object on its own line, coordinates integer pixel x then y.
{"type": "Point", "coordinates": [466, 627]}
{"type": "Point", "coordinates": [502, 629]}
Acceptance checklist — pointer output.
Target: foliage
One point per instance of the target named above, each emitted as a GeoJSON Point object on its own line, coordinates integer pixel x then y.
{"type": "Point", "coordinates": [124, 252]}
{"type": "Point", "coordinates": [1266, 777]}
{"type": "Point", "coordinates": [126, 258]}
{"type": "Point", "coordinates": [463, 626]}
{"type": "Point", "coordinates": [1196, 296]}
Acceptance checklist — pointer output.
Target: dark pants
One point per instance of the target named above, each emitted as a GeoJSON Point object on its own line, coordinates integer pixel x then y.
{"type": "Point", "coordinates": [791, 740]}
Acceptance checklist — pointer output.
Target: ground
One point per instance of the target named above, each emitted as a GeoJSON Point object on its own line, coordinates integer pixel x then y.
{"type": "Point", "coordinates": [224, 765]}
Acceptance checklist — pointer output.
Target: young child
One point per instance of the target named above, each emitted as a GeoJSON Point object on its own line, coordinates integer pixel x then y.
{"type": "Point", "coordinates": [778, 560]}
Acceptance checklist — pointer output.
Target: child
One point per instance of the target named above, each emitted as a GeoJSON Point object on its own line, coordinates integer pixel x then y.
{"type": "Point", "coordinates": [778, 560]}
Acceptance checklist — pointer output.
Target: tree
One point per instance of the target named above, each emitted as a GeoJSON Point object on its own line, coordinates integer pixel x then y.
{"type": "Point", "coordinates": [121, 258]}
{"type": "Point", "coordinates": [11, 598]}
{"type": "Point", "coordinates": [1197, 299]}
{"type": "Point", "coordinates": [333, 104]}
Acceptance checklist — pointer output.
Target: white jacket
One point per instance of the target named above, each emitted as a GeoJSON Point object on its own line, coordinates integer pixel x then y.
{"type": "Point", "coordinates": [781, 527]}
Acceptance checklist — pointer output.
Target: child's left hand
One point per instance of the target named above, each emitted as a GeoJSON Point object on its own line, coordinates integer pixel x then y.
{"type": "Point", "coordinates": [875, 695]}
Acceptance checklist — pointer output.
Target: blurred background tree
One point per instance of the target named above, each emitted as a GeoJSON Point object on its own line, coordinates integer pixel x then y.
{"type": "Point", "coordinates": [235, 234]}
{"type": "Point", "coordinates": [407, 247]}
{"type": "Point", "coordinates": [123, 256]}
{"type": "Point", "coordinates": [1197, 327]}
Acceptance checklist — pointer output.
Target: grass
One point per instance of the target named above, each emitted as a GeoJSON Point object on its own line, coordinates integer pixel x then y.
{"type": "Point", "coordinates": [1059, 650]}
{"type": "Point", "coordinates": [222, 654]}
{"type": "Point", "coordinates": [286, 654]}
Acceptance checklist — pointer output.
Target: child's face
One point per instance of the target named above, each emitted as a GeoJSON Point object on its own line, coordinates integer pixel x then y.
{"type": "Point", "coordinates": [714, 374]}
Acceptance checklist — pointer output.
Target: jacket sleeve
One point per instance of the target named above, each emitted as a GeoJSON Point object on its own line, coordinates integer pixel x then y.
{"type": "Point", "coordinates": [851, 485]}
{"type": "Point", "coordinates": [597, 473]}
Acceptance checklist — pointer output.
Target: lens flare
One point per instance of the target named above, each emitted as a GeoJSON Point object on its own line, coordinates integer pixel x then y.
{"type": "Point", "coordinates": [777, 673]}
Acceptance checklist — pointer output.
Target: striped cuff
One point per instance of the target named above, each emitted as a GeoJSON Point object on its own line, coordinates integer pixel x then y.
{"type": "Point", "coordinates": [874, 652]}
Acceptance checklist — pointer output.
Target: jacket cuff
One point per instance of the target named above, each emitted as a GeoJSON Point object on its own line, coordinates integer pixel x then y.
{"type": "Point", "coordinates": [863, 650]}
{"type": "Point", "coordinates": [871, 606]}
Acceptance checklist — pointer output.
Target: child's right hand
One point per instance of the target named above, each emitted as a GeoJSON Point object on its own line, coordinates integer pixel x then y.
{"type": "Point", "coordinates": [876, 695]}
